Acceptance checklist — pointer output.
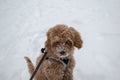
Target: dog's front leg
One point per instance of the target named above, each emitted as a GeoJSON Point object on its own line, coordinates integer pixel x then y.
{"type": "Point", "coordinates": [68, 76]}
{"type": "Point", "coordinates": [53, 71]}
{"type": "Point", "coordinates": [53, 75]}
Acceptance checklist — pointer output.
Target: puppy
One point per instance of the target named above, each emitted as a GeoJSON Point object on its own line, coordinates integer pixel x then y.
{"type": "Point", "coordinates": [59, 63]}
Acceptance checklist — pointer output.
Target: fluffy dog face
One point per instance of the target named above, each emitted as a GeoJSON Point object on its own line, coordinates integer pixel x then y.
{"type": "Point", "coordinates": [62, 47]}
{"type": "Point", "coordinates": [61, 41]}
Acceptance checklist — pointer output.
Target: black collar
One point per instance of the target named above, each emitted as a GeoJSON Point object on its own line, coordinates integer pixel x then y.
{"type": "Point", "coordinates": [65, 61]}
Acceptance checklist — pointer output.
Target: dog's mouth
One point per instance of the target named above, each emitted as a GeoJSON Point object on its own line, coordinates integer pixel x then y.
{"type": "Point", "coordinates": [62, 53]}
{"type": "Point", "coordinates": [64, 56]}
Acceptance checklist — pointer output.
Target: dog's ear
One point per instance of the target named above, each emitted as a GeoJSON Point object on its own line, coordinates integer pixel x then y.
{"type": "Point", "coordinates": [48, 42]}
{"type": "Point", "coordinates": [76, 38]}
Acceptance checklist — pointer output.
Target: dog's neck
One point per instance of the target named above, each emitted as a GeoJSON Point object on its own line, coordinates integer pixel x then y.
{"type": "Point", "coordinates": [64, 61]}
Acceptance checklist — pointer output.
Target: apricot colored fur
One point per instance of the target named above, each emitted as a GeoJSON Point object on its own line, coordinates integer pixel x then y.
{"type": "Point", "coordinates": [60, 37]}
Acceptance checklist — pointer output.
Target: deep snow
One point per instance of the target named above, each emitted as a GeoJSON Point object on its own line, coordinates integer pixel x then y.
{"type": "Point", "coordinates": [23, 27]}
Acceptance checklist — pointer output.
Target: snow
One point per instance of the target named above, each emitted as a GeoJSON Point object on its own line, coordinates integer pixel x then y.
{"type": "Point", "coordinates": [23, 27]}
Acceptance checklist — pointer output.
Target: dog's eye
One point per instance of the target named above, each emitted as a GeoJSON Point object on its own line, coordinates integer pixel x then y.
{"type": "Point", "coordinates": [57, 42]}
{"type": "Point", "coordinates": [68, 43]}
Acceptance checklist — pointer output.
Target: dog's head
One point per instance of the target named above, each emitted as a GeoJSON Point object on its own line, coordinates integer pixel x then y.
{"type": "Point", "coordinates": [61, 40]}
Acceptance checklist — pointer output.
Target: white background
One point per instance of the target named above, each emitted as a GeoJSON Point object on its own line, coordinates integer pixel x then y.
{"type": "Point", "coordinates": [23, 27]}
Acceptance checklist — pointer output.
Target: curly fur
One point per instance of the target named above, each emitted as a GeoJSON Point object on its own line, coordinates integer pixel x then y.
{"type": "Point", "coordinates": [60, 44]}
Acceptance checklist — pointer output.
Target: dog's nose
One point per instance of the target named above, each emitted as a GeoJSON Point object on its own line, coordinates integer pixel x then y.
{"type": "Point", "coordinates": [62, 52]}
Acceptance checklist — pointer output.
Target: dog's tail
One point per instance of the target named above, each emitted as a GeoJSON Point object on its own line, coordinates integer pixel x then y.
{"type": "Point", "coordinates": [30, 65]}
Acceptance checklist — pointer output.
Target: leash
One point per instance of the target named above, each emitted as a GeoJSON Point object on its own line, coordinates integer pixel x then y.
{"type": "Point", "coordinates": [43, 50]}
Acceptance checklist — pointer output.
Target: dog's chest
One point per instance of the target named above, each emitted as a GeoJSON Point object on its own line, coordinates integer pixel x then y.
{"type": "Point", "coordinates": [53, 62]}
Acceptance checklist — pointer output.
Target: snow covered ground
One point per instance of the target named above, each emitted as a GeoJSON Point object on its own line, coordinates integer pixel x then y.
{"type": "Point", "coordinates": [24, 23]}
